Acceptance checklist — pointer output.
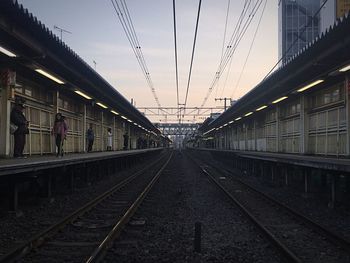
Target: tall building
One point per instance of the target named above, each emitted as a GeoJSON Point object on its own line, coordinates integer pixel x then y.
{"type": "Point", "coordinates": [297, 25]}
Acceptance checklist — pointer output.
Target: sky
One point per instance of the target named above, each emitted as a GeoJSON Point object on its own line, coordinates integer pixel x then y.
{"type": "Point", "coordinates": [97, 35]}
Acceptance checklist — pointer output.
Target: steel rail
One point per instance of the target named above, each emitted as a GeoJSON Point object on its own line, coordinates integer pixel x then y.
{"type": "Point", "coordinates": [291, 257]}
{"type": "Point", "coordinates": [23, 249]}
{"type": "Point", "coordinates": [335, 238]}
{"type": "Point", "coordinates": [115, 232]}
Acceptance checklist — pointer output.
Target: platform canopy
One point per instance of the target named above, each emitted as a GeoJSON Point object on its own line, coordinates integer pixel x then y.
{"type": "Point", "coordinates": [320, 59]}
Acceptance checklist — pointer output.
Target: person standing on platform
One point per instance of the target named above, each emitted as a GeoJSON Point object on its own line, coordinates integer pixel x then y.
{"type": "Point", "coordinates": [59, 130]}
{"type": "Point", "coordinates": [90, 136]}
{"type": "Point", "coordinates": [18, 119]}
{"type": "Point", "coordinates": [109, 139]}
{"type": "Point", "coordinates": [126, 141]}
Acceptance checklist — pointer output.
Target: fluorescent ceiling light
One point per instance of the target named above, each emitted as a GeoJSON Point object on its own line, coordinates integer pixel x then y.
{"type": "Point", "coordinates": [280, 99]}
{"type": "Point", "coordinates": [237, 119]}
{"type": "Point", "coordinates": [83, 94]}
{"type": "Point", "coordinates": [230, 122]}
{"type": "Point", "coordinates": [129, 120]}
{"type": "Point", "coordinates": [123, 117]}
{"type": "Point", "coordinates": [343, 69]}
{"type": "Point", "coordinates": [114, 112]}
{"type": "Point", "coordinates": [310, 85]}
{"type": "Point", "coordinates": [135, 123]}
{"type": "Point", "coordinates": [225, 124]}
{"type": "Point", "coordinates": [249, 113]}
{"type": "Point", "coordinates": [101, 105]}
{"type": "Point", "coordinates": [261, 108]}
{"type": "Point", "coordinates": [7, 52]}
{"type": "Point", "coordinates": [48, 75]}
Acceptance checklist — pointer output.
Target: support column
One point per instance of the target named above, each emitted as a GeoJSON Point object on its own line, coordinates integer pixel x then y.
{"type": "Point", "coordinates": [333, 197]}
{"type": "Point", "coordinates": [303, 126]}
{"type": "Point", "coordinates": [102, 133]}
{"type": "Point", "coordinates": [48, 185]}
{"type": "Point", "coordinates": [272, 173]}
{"type": "Point", "coordinates": [13, 197]}
{"type": "Point", "coordinates": [347, 114]}
{"type": "Point", "coordinates": [286, 178]}
{"type": "Point", "coordinates": [5, 110]}
{"type": "Point", "coordinates": [306, 181]}
{"type": "Point", "coordinates": [84, 128]}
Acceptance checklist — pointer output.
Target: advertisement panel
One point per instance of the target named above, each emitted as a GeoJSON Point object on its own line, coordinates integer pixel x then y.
{"type": "Point", "coordinates": [343, 6]}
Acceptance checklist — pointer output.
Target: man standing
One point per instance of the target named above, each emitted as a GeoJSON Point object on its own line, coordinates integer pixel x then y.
{"type": "Point", "coordinates": [17, 118]}
{"type": "Point", "coordinates": [126, 141]}
{"type": "Point", "coordinates": [90, 136]}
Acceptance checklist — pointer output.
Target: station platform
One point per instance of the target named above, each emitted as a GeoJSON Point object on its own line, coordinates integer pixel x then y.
{"type": "Point", "coordinates": [341, 164]}
{"type": "Point", "coordinates": [36, 163]}
{"type": "Point", "coordinates": [45, 171]}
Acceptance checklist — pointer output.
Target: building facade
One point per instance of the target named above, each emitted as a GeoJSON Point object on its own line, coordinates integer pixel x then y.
{"type": "Point", "coordinates": [297, 26]}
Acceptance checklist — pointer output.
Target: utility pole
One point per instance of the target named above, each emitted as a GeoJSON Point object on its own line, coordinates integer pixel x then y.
{"type": "Point", "coordinates": [224, 99]}
{"type": "Point", "coordinates": [61, 30]}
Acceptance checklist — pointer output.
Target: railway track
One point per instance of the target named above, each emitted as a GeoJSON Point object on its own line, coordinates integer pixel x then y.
{"type": "Point", "coordinates": [84, 235]}
{"type": "Point", "coordinates": [297, 237]}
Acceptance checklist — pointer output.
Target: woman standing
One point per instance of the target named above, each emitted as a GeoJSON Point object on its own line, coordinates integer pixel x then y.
{"type": "Point", "coordinates": [59, 130]}
{"type": "Point", "coordinates": [109, 139]}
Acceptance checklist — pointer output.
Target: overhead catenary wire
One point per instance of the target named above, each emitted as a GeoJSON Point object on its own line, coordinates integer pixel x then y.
{"type": "Point", "coordinates": [235, 32]}
{"type": "Point", "coordinates": [176, 67]}
{"type": "Point", "coordinates": [193, 50]}
{"type": "Point", "coordinates": [233, 44]}
{"type": "Point", "coordinates": [224, 39]}
{"type": "Point", "coordinates": [125, 19]}
{"type": "Point", "coordinates": [250, 49]}
{"type": "Point", "coordinates": [296, 39]}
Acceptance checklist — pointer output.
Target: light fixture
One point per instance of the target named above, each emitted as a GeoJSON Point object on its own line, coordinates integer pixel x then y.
{"type": "Point", "coordinates": [48, 75]}
{"type": "Point", "coordinates": [343, 69]}
{"type": "Point", "coordinates": [129, 120]}
{"type": "Point", "coordinates": [123, 117]}
{"type": "Point", "coordinates": [280, 99]}
{"type": "Point", "coordinates": [101, 105]}
{"type": "Point", "coordinates": [83, 94]}
{"type": "Point", "coordinates": [225, 124]}
{"type": "Point", "coordinates": [261, 108]}
{"type": "Point", "coordinates": [7, 52]}
{"type": "Point", "coordinates": [249, 113]}
{"type": "Point", "coordinates": [230, 122]}
{"type": "Point", "coordinates": [114, 112]}
{"type": "Point", "coordinates": [237, 119]}
{"type": "Point", "coordinates": [135, 123]}
{"type": "Point", "coordinates": [310, 85]}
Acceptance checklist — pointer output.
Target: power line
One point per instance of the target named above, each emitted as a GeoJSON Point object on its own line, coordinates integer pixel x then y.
{"type": "Point", "coordinates": [224, 40]}
{"type": "Point", "coordinates": [193, 49]}
{"type": "Point", "coordinates": [233, 44]}
{"type": "Point", "coordinates": [175, 42]}
{"type": "Point", "coordinates": [125, 19]}
{"type": "Point", "coordinates": [296, 39]}
{"type": "Point", "coordinates": [250, 49]}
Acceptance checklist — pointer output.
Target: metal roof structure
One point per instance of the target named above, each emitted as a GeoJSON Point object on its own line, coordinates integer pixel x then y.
{"type": "Point", "coordinates": [319, 59]}
{"type": "Point", "coordinates": [37, 47]}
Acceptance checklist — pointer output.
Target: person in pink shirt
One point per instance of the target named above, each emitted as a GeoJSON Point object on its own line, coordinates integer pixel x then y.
{"type": "Point", "coordinates": [59, 130]}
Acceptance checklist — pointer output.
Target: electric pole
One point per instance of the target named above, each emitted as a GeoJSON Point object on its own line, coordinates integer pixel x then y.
{"type": "Point", "coordinates": [61, 30]}
{"type": "Point", "coordinates": [224, 99]}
